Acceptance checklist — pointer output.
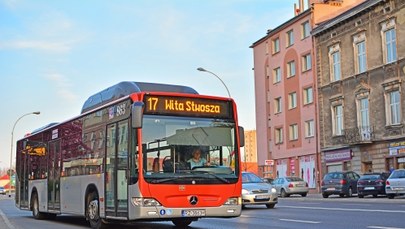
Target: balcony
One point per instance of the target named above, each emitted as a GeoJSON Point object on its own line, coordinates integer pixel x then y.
{"type": "Point", "coordinates": [357, 135]}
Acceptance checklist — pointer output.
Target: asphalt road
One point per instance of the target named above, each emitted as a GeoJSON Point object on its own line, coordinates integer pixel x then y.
{"type": "Point", "coordinates": [310, 212]}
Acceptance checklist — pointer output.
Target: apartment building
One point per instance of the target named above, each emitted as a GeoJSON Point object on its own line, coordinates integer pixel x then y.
{"type": "Point", "coordinates": [286, 94]}
{"type": "Point", "coordinates": [360, 83]}
{"type": "Point", "coordinates": [249, 162]}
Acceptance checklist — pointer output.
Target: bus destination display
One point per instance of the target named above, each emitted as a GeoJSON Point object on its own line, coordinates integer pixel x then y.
{"type": "Point", "coordinates": [173, 105]}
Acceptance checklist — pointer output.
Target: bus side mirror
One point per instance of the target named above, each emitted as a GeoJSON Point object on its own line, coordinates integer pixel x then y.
{"type": "Point", "coordinates": [241, 136]}
{"type": "Point", "coordinates": [137, 114]}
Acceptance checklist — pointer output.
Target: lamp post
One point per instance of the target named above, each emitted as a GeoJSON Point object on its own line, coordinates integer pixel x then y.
{"type": "Point", "coordinates": [204, 70]}
{"type": "Point", "coordinates": [11, 153]}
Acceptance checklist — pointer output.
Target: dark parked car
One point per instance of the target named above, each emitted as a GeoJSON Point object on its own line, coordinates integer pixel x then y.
{"type": "Point", "coordinates": [371, 184]}
{"type": "Point", "coordinates": [340, 183]}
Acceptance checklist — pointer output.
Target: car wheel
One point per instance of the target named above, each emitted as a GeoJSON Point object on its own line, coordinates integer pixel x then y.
{"type": "Point", "coordinates": [304, 194]}
{"type": "Point", "coordinates": [341, 195]}
{"type": "Point", "coordinates": [391, 196]}
{"type": "Point", "coordinates": [283, 193]}
{"type": "Point", "coordinates": [325, 195]}
{"type": "Point", "coordinates": [361, 196]}
{"type": "Point", "coordinates": [270, 205]}
{"type": "Point", "coordinates": [375, 195]}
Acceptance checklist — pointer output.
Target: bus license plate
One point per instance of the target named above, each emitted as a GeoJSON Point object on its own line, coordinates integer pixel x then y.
{"type": "Point", "coordinates": [193, 213]}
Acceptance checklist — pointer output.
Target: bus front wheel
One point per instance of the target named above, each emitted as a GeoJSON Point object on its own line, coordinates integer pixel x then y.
{"type": "Point", "coordinates": [182, 222]}
{"type": "Point", "coordinates": [35, 207]}
{"type": "Point", "coordinates": [93, 211]}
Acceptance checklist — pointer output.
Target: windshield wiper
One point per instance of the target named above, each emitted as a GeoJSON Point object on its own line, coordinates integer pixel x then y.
{"type": "Point", "coordinates": [163, 180]}
{"type": "Point", "coordinates": [212, 174]}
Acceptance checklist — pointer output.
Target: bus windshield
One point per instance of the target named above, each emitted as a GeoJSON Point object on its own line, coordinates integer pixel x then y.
{"type": "Point", "coordinates": [170, 146]}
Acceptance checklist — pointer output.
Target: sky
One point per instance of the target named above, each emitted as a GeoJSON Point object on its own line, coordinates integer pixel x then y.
{"type": "Point", "coordinates": [55, 54]}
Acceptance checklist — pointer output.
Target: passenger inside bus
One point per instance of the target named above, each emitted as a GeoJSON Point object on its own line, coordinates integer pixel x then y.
{"type": "Point", "coordinates": [197, 160]}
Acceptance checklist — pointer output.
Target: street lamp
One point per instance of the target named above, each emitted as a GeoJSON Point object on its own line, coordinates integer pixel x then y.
{"type": "Point", "coordinates": [204, 70]}
{"type": "Point", "coordinates": [11, 153]}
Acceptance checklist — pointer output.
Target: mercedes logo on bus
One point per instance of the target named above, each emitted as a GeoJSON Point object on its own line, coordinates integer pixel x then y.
{"type": "Point", "coordinates": [193, 200]}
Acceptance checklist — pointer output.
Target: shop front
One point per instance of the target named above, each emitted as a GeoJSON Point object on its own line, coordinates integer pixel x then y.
{"type": "Point", "coordinates": [337, 160]}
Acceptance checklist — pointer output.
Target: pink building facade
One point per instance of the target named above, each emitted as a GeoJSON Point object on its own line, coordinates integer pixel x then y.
{"type": "Point", "coordinates": [285, 101]}
{"type": "Point", "coordinates": [286, 94]}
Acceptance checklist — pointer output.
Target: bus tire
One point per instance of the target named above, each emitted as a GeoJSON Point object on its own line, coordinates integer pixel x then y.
{"type": "Point", "coordinates": [93, 211]}
{"type": "Point", "coordinates": [182, 223]}
{"type": "Point", "coordinates": [35, 207]}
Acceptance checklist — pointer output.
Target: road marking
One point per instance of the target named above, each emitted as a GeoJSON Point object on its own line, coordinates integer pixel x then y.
{"type": "Point", "coordinates": [346, 209]}
{"type": "Point", "coordinates": [300, 221]}
{"type": "Point", "coordinates": [378, 227]}
{"type": "Point", "coordinates": [9, 225]}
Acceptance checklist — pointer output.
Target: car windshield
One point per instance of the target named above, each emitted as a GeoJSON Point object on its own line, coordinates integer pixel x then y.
{"type": "Point", "coordinates": [331, 176]}
{"type": "Point", "coordinates": [398, 174]}
{"type": "Point", "coordinates": [370, 177]}
{"type": "Point", "coordinates": [292, 179]}
{"type": "Point", "coordinates": [251, 178]}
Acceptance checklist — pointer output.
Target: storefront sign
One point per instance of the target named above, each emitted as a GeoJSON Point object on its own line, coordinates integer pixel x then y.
{"type": "Point", "coordinates": [338, 155]}
{"type": "Point", "coordinates": [396, 148]}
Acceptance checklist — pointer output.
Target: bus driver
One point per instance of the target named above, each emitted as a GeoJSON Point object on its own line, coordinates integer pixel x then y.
{"type": "Point", "coordinates": [197, 160]}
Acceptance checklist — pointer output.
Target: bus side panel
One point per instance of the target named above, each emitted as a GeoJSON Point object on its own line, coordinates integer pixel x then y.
{"type": "Point", "coordinates": [73, 191]}
{"type": "Point", "coordinates": [41, 187]}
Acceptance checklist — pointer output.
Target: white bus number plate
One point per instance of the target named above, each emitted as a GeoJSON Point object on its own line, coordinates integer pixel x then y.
{"type": "Point", "coordinates": [192, 213]}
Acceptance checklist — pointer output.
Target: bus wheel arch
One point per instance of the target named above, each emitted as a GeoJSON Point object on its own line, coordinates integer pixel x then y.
{"type": "Point", "coordinates": [34, 206]}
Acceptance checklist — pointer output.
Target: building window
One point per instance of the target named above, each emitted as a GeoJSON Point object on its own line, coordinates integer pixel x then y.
{"type": "Point", "coordinates": [306, 62]}
{"type": "Point", "coordinates": [308, 95]}
{"type": "Point", "coordinates": [393, 108]}
{"type": "Point", "coordinates": [276, 45]}
{"type": "Point", "coordinates": [279, 135]}
{"type": "Point", "coordinates": [336, 74]}
{"type": "Point", "coordinates": [389, 40]}
{"type": "Point", "coordinates": [363, 118]}
{"type": "Point", "coordinates": [390, 46]}
{"type": "Point", "coordinates": [277, 105]}
{"type": "Point", "coordinates": [361, 57]}
{"type": "Point", "coordinates": [292, 100]}
{"type": "Point", "coordinates": [267, 48]}
{"type": "Point", "coordinates": [290, 69]}
{"type": "Point", "coordinates": [277, 75]}
{"type": "Point", "coordinates": [334, 62]}
{"type": "Point", "coordinates": [293, 131]}
{"type": "Point", "coordinates": [290, 38]}
{"type": "Point", "coordinates": [337, 120]}
{"type": "Point", "coordinates": [309, 128]}
{"type": "Point", "coordinates": [306, 30]}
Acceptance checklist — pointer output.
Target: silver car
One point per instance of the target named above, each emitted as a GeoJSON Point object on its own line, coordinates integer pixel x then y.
{"type": "Point", "coordinates": [287, 186]}
{"type": "Point", "coordinates": [395, 184]}
{"type": "Point", "coordinates": [255, 191]}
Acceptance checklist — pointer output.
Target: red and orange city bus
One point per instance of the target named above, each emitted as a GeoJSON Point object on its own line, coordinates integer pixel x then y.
{"type": "Point", "coordinates": [125, 158]}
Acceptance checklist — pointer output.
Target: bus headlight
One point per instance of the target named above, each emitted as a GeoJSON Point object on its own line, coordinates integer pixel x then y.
{"type": "Point", "coordinates": [145, 202]}
{"type": "Point", "coordinates": [233, 201]}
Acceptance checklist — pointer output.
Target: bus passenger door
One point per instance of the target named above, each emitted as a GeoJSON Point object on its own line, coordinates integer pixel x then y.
{"type": "Point", "coordinates": [116, 184]}
{"type": "Point", "coordinates": [54, 176]}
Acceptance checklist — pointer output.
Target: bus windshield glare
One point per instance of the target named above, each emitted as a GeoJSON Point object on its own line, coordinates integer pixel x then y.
{"type": "Point", "coordinates": [169, 144]}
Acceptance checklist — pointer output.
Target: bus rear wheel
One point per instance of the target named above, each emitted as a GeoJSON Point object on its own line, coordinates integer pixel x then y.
{"type": "Point", "coordinates": [35, 207]}
{"type": "Point", "coordinates": [182, 222]}
{"type": "Point", "coordinates": [93, 211]}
